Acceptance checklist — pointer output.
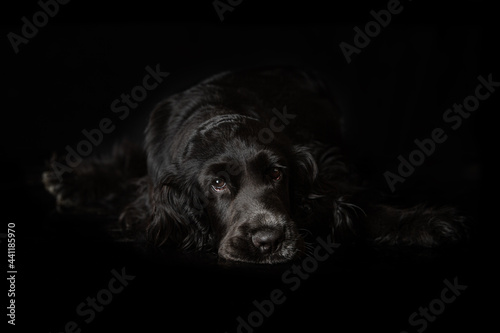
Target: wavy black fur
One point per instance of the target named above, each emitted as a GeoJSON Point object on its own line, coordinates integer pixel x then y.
{"type": "Point", "coordinates": [241, 127]}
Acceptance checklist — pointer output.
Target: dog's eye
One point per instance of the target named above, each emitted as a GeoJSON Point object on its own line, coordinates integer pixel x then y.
{"type": "Point", "coordinates": [275, 174]}
{"type": "Point", "coordinates": [219, 184]}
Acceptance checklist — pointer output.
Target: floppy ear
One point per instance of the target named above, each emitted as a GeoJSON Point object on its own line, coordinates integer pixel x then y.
{"type": "Point", "coordinates": [177, 215]}
{"type": "Point", "coordinates": [322, 169]}
{"type": "Point", "coordinates": [305, 168]}
{"type": "Point", "coordinates": [326, 186]}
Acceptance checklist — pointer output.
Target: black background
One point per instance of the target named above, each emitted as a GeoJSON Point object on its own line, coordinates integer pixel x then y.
{"type": "Point", "coordinates": [395, 91]}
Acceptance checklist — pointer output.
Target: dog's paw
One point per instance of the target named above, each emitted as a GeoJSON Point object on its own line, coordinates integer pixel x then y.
{"type": "Point", "coordinates": [427, 227]}
{"type": "Point", "coordinates": [70, 189]}
{"type": "Point", "coordinates": [62, 188]}
{"type": "Point", "coordinates": [436, 231]}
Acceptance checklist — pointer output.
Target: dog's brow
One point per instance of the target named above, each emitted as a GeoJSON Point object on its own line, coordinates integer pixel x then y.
{"type": "Point", "coordinates": [222, 119]}
{"type": "Point", "coordinates": [213, 123]}
{"type": "Point", "coordinates": [270, 158]}
{"type": "Point", "coordinates": [223, 166]}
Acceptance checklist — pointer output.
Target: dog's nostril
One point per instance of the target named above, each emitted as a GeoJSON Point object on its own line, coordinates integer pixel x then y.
{"type": "Point", "coordinates": [266, 240]}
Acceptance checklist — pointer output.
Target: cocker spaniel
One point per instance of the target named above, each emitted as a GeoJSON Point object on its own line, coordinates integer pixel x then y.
{"type": "Point", "coordinates": [241, 165]}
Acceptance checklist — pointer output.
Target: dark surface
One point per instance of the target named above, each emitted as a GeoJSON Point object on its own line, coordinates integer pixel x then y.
{"type": "Point", "coordinates": [396, 90]}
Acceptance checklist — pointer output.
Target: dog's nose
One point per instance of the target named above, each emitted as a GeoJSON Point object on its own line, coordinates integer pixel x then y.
{"type": "Point", "coordinates": [267, 240]}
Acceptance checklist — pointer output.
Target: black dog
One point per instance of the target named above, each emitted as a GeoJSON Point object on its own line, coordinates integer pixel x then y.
{"type": "Point", "coordinates": [240, 165]}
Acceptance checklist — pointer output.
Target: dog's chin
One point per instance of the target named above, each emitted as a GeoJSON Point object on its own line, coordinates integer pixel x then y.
{"type": "Point", "coordinates": [238, 249]}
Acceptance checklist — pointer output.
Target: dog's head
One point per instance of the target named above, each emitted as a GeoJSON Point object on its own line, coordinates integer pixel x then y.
{"type": "Point", "coordinates": [228, 182]}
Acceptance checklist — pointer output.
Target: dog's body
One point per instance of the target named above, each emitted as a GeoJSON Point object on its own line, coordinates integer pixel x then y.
{"type": "Point", "coordinates": [240, 164]}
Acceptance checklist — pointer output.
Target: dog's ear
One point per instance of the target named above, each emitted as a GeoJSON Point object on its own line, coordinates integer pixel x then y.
{"type": "Point", "coordinates": [325, 187]}
{"type": "Point", "coordinates": [305, 167]}
{"type": "Point", "coordinates": [304, 173]}
{"type": "Point", "coordinates": [177, 215]}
